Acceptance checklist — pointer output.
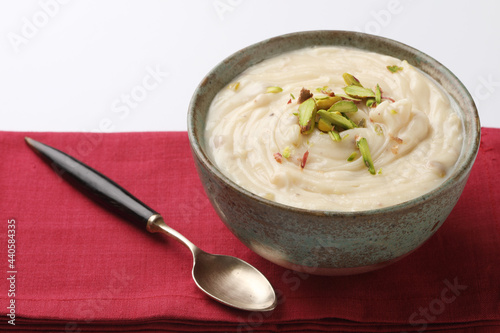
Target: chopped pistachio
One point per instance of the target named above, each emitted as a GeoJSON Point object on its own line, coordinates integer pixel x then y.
{"type": "Point", "coordinates": [343, 106]}
{"type": "Point", "coordinates": [379, 171]}
{"type": "Point", "coordinates": [378, 129]}
{"type": "Point", "coordinates": [365, 152]}
{"type": "Point", "coordinates": [350, 80]}
{"type": "Point", "coordinates": [370, 102]}
{"type": "Point", "coordinates": [324, 88]}
{"type": "Point", "coordinates": [286, 152]}
{"type": "Point", "coordinates": [362, 122]}
{"type": "Point", "coordinates": [349, 119]}
{"type": "Point", "coordinates": [378, 94]}
{"type": "Point", "coordinates": [234, 86]}
{"type": "Point", "coordinates": [334, 135]}
{"type": "Point", "coordinates": [352, 157]}
{"type": "Point", "coordinates": [291, 95]}
{"type": "Point", "coordinates": [358, 92]}
{"type": "Point", "coordinates": [326, 103]}
{"type": "Point", "coordinates": [274, 90]}
{"type": "Point", "coordinates": [345, 136]}
{"type": "Point", "coordinates": [337, 119]}
{"type": "Point", "coordinates": [394, 68]}
{"type": "Point", "coordinates": [307, 116]}
{"type": "Point", "coordinates": [324, 125]}
{"type": "Point", "coordinates": [349, 98]}
{"type": "Point", "coordinates": [394, 111]}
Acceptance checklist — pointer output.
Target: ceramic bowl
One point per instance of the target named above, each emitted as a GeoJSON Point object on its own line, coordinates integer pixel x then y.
{"type": "Point", "coordinates": [329, 242]}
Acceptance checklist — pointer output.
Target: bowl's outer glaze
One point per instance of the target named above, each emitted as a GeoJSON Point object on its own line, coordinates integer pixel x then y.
{"type": "Point", "coordinates": [323, 242]}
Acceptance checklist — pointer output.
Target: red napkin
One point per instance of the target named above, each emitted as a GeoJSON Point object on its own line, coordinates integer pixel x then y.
{"type": "Point", "coordinates": [80, 268]}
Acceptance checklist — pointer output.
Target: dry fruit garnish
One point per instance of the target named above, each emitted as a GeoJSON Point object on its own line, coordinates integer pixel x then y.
{"type": "Point", "coordinates": [365, 152]}
{"type": "Point", "coordinates": [352, 157]}
{"type": "Point", "coordinates": [329, 113]}
{"type": "Point", "coordinates": [336, 119]}
{"type": "Point", "coordinates": [359, 92]}
{"type": "Point", "coordinates": [304, 95]}
{"type": "Point", "coordinates": [304, 159]}
{"type": "Point", "coordinates": [370, 102]}
{"type": "Point", "coordinates": [325, 90]}
{"type": "Point", "coordinates": [274, 90]}
{"type": "Point", "coordinates": [394, 68]}
{"type": "Point", "coordinates": [324, 125]}
{"type": "Point", "coordinates": [234, 86]}
{"type": "Point", "coordinates": [334, 135]}
{"type": "Point", "coordinates": [327, 102]}
{"type": "Point", "coordinates": [349, 98]}
{"type": "Point", "coordinates": [278, 157]}
{"type": "Point", "coordinates": [343, 106]}
{"type": "Point", "coordinates": [378, 94]}
{"type": "Point", "coordinates": [350, 80]}
{"type": "Point", "coordinates": [395, 138]}
{"type": "Point", "coordinates": [307, 116]}
{"type": "Point", "coordinates": [286, 152]}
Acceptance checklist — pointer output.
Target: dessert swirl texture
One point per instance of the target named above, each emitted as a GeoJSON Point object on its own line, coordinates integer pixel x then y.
{"type": "Point", "coordinates": [254, 136]}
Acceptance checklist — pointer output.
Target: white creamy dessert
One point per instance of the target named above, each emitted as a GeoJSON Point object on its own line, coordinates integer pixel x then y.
{"type": "Point", "coordinates": [412, 131]}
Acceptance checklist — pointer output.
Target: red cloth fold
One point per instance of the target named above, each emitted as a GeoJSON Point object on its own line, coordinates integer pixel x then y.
{"type": "Point", "coordinates": [80, 268]}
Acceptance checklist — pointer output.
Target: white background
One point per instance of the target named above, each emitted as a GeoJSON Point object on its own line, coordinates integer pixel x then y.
{"type": "Point", "coordinates": [70, 65]}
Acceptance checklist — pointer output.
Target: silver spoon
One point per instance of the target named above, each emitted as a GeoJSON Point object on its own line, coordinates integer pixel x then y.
{"type": "Point", "coordinates": [228, 280]}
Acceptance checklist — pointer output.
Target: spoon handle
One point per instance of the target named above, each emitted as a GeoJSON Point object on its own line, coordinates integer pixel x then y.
{"type": "Point", "coordinates": [94, 184]}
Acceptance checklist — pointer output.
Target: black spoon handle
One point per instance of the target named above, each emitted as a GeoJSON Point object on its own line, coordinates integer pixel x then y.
{"type": "Point", "coordinates": [94, 184]}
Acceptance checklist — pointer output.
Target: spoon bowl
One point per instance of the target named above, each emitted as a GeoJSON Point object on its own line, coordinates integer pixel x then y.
{"type": "Point", "coordinates": [237, 283]}
{"type": "Point", "coordinates": [226, 279]}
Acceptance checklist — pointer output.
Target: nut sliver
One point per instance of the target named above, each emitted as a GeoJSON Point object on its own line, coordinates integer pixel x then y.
{"type": "Point", "coordinates": [359, 92]}
{"type": "Point", "coordinates": [336, 119]}
{"type": "Point", "coordinates": [350, 80]}
{"type": "Point", "coordinates": [334, 135]}
{"type": "Point", "coordinates": [324, 125]}
{"type": "Point", "coordinates": [343, 106]}
{"type": "Point", "coordinates": [365, 152]}
{"type": "Point", "coordinates": [307, 116]}
{"type": "Point", "coordinates": [326, 103]}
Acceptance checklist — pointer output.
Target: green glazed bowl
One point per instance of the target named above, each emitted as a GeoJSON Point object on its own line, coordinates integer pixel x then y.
{"type": "Point", "coordinates": [329, 242]}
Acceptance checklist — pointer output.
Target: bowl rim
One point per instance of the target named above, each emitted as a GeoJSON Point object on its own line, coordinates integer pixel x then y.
{"type": "Point", "coordinates": [459, 172]}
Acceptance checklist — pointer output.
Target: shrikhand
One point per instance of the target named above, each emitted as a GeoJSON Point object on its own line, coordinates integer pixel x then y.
{"type": "Point", "coordinates": [367, 130]}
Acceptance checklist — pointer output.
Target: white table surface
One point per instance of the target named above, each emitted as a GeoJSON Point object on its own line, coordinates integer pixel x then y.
{"type": "Point", "coordinates": [71, 65]}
